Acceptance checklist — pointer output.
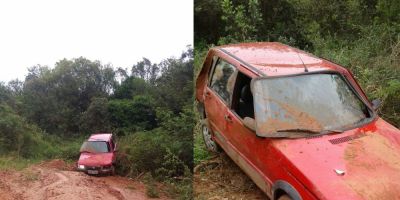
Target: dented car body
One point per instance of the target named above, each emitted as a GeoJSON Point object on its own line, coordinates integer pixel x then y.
{"type": "Point", "coordinates": [98, 154]}
{"type": "Point", "coordinates": [299, 126]}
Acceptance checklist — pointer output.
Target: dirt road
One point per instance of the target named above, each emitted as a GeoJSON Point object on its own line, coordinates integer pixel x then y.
{"type": "Point", "coordinates": [220, 178]}
{"type": "Point", "coordinates": [56, 181]}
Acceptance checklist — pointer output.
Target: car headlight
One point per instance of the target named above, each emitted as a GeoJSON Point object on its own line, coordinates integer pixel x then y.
{"type": "Point", "coordinates": [81, 166]}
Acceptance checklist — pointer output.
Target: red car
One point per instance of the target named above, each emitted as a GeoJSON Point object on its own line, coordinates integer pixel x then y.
{"type": "Point", "coordinates": [299, 126]}
{"type": "Point", "coordinates": [97, 154]}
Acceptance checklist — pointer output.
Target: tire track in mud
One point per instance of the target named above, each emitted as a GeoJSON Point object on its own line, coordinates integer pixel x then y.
{"type": "Point", "coordinates": [85, 187]}
{"type": "Point", "coordinates": [6, 187]}
{"type": "Point", "coordinates": [116, 193]}
{"type": "Point", "coordinates": [41, 182]}
{"type": "Point", "coordinates": [48, 189]}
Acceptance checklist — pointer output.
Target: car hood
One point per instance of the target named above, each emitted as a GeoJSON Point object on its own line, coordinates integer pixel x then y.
{"type": "Point", "coordinates": [95, 159]}
{"type": "Point", "coordinates": [368, 156]}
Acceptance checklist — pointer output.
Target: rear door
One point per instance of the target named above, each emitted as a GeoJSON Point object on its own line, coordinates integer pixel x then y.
{"type": "Point", "coordinates": [218, 96]}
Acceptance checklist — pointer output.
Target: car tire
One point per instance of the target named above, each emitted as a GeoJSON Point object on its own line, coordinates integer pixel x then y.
{"type": "Point", "coordinates": [210, 144]}
{"type": "Point", "coordinates": [112, 173]}
{"type": "Point", "coordinates": [284, 197]}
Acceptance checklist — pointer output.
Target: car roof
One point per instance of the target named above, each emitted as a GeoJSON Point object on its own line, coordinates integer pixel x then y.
{"type": "Point", "coordinates": [274, 58]}
{"type": "Point", "coordinates": [100, 137]}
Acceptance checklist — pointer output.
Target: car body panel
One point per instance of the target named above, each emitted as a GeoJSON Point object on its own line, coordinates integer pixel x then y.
{"type": "Point", "coordinates": [215, 111]}
{"type": "Point", "coordinates": [368, 155]}
{"type": "Point", "coordinates": [96, 159]}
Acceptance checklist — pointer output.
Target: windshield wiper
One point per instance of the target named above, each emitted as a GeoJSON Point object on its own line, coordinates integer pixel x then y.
{"type": "Point", "coordinates": [85, 151]}
{"type": "Point", "coordinates": [298, 130]}
{"type": "Point", "coordinates": [362, 121]}
{"type": "Point", "coordinates": [310, 131]}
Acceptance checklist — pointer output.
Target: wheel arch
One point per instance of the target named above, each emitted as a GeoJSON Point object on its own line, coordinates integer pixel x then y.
{"type": "Point", "coordinates": [201, 109]}
{"type": "Point", "coordinates": [282, 187]}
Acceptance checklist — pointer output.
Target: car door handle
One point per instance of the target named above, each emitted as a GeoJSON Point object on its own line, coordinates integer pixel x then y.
{"type": "Point", "coordinates": [228, 118]}
{"type": "Point", "coordinates": [207, 94]}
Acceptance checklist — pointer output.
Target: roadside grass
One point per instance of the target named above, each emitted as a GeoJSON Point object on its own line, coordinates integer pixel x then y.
{"type": "Point", "coordinates": [200, 153]}
{"type": "Point", "coordinates": [151, 186]}
{"type": "Point", "coordinates": [67, 150]}
{"type": "Point", "coordinates": [181, 189]}
{"type": "Point", "coordinates": [12, 163]}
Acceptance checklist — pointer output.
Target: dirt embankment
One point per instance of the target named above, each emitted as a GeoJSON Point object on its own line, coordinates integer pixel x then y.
{"type": "Point", "coordinates": [56, 180]}
{"type": "Point", "coordinates": [220, 178]}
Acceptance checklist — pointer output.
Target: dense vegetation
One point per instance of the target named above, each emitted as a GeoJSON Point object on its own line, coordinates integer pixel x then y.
{"type": "Point", "coordinates": [363, 35]}
{"type": "Point", "coordinates": [148, 107]}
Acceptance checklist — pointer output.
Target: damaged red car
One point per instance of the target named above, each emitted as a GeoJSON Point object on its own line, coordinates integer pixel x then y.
{"type": "Point", "coordinates": [98, 154]}
{"type": "Point", "coordinates": [299, 126]}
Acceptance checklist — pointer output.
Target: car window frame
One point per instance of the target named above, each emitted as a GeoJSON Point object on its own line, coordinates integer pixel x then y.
{"type": "Point", "coordinates": [211, 71]}
{"type": "Point", "coordinates": [237, 92]}
{"type": "Point", "coordinates": [112, 145]}
{"type": "Point", "coordinates": [215, 63]}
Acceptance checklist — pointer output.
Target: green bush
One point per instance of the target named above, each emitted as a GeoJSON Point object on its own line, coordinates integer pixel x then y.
{"type": "Point", "coordinates": [151, 187]}
{"type": "Point", "coordinates": [140, 152]}
{"type": "Point", "coordinates": [374, 59]}
{"type": "Point", "coordinates": [171, 166]}
{"type": "Point", "coordinates": [133, 115]}
{"type": "Point", "coordinates": [19, 137]}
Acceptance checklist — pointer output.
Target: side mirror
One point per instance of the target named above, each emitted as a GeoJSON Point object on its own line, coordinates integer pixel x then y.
{"type": "Point", "coordinates": [250, 123]}
{"type": "Point", "coordinates": [376, 104]}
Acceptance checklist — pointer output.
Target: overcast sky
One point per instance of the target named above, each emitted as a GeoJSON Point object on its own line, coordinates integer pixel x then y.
{"type": "Point", "coordinates": [120, 32]}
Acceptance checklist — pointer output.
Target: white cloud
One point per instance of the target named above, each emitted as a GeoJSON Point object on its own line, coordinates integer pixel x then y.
{"type": "Point", "coordinates": [120, 32]}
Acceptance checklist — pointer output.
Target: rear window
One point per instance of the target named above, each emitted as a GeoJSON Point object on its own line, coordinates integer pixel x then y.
{"type": "Point", "coordinates": [95, 147]}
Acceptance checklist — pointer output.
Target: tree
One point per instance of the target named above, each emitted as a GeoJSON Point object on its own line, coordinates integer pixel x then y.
{"type": "Point", "coordinates": [241, 23]}
{"type": "Point", "coordinates": [130, 115]}
{"type": "Point", "coordinates": [145, 70]}
{"type": "Point", "coordinates": [175, 85]}
{"type": "Point", "coordinates": [96, 119]}
{"type": "Point", "coordinates": [55, 99]}
{"type": "Point", "coordinates": [5, 93]}
{"type": "Point", "coordinates": [131, 87]}
{"type": "Point", "coordinates": [16, 87]}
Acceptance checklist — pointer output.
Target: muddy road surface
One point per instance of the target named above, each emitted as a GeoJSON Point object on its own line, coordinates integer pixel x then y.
{"type": "Point", "coordinates": [54, 180]}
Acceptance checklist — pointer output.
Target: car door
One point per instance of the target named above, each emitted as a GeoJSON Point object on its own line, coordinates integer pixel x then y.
{"type": "Point", "coordinates": [218, 96]}
{"type": "Point", "coordinates": [248, 150]}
